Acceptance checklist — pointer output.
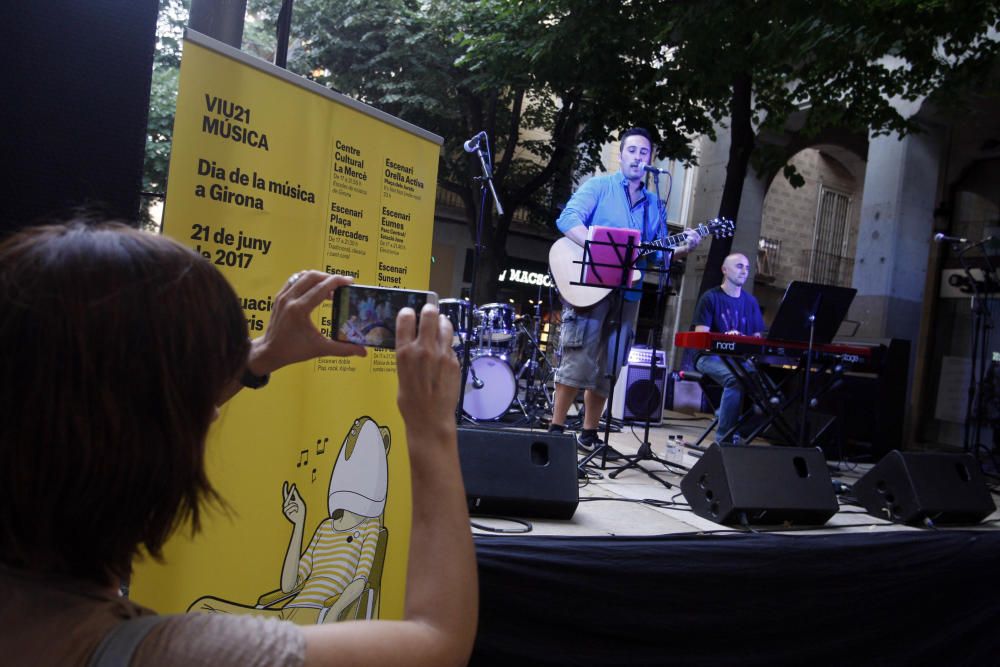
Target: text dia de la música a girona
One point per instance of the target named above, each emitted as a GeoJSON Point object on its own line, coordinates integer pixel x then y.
{"type": "Point", "coordinates": [228, 184]}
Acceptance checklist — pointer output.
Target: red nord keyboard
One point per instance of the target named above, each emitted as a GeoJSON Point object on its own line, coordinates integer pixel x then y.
{"type": "Point", "coordinates": [719, 343]}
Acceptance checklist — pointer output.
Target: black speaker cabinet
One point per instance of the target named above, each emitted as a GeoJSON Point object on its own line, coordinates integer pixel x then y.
{"type": "Point", "coordinates": [644, 393]}
{"type": "Point", "coordinates": [519, 473]}
{"type": "Point", "coordinates": [913, 486]}
{"type": "Point", "coordinates": [767, 485]}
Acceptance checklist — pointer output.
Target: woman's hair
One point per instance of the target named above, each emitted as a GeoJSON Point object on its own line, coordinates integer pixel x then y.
{"type": "Point", "coordinates": [115, 348]}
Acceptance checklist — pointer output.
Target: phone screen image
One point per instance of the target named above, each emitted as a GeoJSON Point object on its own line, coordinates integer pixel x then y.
{"type": "Point", "coordinates": [367, 315]}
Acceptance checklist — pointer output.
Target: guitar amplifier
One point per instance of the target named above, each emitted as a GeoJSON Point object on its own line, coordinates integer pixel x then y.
{"type": "Point", "coordinates": [640, 390]}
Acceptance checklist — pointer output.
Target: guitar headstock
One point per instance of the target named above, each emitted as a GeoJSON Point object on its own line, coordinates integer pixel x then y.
{"type": "Point", "coordinates": [720, 228]}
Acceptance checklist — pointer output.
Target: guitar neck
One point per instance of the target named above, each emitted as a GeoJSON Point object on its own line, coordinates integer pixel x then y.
{"type": "Point", "coordinates": [672, 241]}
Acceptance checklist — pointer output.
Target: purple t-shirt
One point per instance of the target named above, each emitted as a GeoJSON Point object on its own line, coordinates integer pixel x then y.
{"type": "Point", "coordinates": [720, 313]}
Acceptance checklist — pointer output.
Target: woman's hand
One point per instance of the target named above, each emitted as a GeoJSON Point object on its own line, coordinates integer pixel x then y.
{"type": "Point", "coordinates": [427, 367]}
{"type": "Point", "coordinates": [291, 335]}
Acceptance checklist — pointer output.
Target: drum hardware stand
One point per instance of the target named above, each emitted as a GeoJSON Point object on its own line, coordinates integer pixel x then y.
{"type": "Point", "coordinates": [467, 372]}
{"type": "Point", "coordinates": [536, 402]}
{"type": "Point", "coordinates": [485, 183]}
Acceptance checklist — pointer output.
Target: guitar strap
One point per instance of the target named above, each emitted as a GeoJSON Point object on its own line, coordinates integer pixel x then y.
{"type": "Point", "coordinates": [645, 218]}
{"type": "Point", "coordinates": [645, 211]}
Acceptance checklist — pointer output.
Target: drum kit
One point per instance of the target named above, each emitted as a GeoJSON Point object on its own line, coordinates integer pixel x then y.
{"type": "Point", "coordinates": [507, 369]}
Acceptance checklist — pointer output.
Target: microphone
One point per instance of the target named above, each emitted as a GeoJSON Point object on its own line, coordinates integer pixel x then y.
{"type": "Point", "coordinates": [477, 383]}
{"type": "Point", "coordinates": [472, 145]}
{"type": "Point", "coordinates": [944, 238]}
{"type": "Point", "coordinates": [654, 170]}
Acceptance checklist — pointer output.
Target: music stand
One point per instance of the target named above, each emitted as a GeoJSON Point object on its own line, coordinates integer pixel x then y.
{"type": "Point", "coordinates": [645, 451]}
{"type": "Point", "coordinates": [608, 248]}
{"type": "Point", "coordinates": [810, 313]}
{"type": "Point", "coordinates": [609, 252]}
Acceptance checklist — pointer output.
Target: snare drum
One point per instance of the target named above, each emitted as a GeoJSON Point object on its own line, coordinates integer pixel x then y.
{"type": "Point", "coordinates": [495, 322]}
{"type": "Point", "coordinates": [457, 311]}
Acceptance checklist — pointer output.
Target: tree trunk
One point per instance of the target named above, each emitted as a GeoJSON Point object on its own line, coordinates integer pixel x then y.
{"type": "Point", "coordinates": [219, 19]}
{"type": "Point", "coordinates": [742, 143]}
{"type": "Point", "coordinates": [487, 280]}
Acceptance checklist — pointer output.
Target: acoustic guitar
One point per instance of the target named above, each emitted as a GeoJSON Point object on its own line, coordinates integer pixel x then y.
{"type": "Point", "coordinates": [566, 262]}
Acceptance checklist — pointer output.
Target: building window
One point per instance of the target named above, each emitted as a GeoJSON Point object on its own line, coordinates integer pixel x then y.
{"type": "Point", "coordinates": [768, 258]}
{"type": "Point", "coordinates": [828, 262]}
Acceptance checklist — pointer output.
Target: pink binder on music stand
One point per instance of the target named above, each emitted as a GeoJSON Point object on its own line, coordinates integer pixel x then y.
{"type": "Point", "coordinates": [608, 247]}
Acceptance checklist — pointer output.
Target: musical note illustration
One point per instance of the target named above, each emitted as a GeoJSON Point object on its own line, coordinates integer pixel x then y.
{"type": "Point", "coordinates": [303, 458]}
{"type": "Point", "coordinates": [321, 445]}
{"type": "Point", "coordinates": [314, 475]}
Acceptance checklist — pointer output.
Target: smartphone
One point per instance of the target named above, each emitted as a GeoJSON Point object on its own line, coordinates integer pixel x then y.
{"type": "Point", "coordinates": [366, 315]}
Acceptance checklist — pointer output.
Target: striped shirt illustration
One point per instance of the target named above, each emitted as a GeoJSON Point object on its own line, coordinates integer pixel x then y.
{"type": "Point", "coordinates": [334, 559]}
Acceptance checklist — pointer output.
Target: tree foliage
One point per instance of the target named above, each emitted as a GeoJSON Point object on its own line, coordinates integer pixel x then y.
{"type": "Point", "coordinates": [258, 39]}
{"type": "Point", "coordinates": [548, 81]}
{"type": "Point", "coordinates": [831, 63]}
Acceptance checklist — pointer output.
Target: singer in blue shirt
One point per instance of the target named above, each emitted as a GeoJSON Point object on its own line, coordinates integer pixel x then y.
{"type": "Point", "coordinates": [587, 334]}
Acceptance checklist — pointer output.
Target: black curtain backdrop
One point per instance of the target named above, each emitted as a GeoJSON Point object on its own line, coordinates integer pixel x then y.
{"type": "Point", "coordinates": [898, 598]}
{"type": "Point", "coordinates": [76, 97]}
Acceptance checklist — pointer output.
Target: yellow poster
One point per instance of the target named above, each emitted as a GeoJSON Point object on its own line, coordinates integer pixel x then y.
{"type": "Point", "coordinates": [272, 174]}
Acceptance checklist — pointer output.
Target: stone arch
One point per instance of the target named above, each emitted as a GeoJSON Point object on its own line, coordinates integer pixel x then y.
{"type": "Point", "coordinates": [833, 166]}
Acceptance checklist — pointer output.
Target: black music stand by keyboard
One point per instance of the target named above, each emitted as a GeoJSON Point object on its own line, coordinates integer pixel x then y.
{"type": "Point", "coordinates": [809, 313]}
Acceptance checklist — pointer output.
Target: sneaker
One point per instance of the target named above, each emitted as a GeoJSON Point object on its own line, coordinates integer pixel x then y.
{"type": "Point", "coordinates": [586, 445]}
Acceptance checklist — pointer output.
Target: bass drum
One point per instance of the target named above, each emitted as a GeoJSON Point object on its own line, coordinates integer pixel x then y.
{"type": "Point", "coordinates": [495, 391]}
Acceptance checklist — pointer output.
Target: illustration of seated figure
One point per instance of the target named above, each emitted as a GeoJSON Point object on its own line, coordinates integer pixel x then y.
{"type": "Point", "coordinates": [343, 563]}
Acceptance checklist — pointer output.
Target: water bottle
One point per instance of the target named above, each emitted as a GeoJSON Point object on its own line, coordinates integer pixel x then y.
{"type": "Point", "coordinates": [674, 452]}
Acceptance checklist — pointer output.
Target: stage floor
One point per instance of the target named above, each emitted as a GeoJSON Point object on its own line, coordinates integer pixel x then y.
{"type": "Point", "coordinates": [635, 578]}
{"type": "Point", "coordinates": [633, 503]}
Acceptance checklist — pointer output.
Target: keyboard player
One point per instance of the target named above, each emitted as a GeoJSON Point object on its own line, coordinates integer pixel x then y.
{"type": "Point", "coordinates": [727, 309]}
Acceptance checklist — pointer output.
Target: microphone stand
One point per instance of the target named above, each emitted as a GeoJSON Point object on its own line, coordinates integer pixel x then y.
{"type": "Point", "coordinates": [645, 451]}
{"type": "Point", "coordinates": [982, 322]}
{"type": "Point", "coordinates": [485, 180]}
{"type": "Point", "coordinates": [804, 424]}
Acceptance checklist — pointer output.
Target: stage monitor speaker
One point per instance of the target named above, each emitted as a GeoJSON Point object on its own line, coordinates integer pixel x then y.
{"type": "Point", "coordinates": [764, 485]}
{"type": "Point", "coordinates": [687, 397]}
{"type": "Point", "coordinates": [913, 486]}
{"type": "Point", "coordinates": [519, 473]}
{"type": "Point", "coordinates": [640, 391]}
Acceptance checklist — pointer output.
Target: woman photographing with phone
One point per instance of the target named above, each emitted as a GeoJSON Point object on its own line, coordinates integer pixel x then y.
{"type": "Point", "coordinates": [118, 348]}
